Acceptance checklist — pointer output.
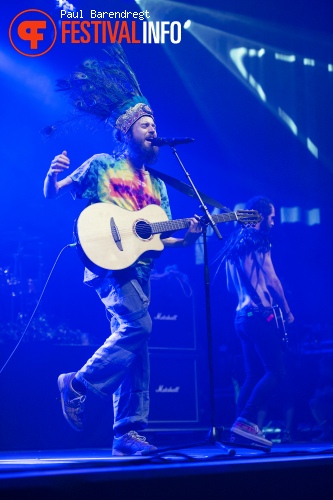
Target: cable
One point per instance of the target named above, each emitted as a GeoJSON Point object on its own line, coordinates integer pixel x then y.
{"type": "Point", "coordinates": [172, 456]}
{"type": "Point", "coordinates": [37, 305]}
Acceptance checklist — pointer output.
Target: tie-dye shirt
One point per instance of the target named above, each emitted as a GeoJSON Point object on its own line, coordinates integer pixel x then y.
{"type": "Point", "coordinates": [102, 178]}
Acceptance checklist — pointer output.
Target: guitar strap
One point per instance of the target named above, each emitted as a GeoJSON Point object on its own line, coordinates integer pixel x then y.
{"type": "Point", "coordinates": [186, 189]}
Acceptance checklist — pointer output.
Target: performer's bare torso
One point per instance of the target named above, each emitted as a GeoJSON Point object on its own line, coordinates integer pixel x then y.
{"type": "Point", "coordinates": [259, 269]}
{"type": "Point", "coordinates": [253, 266]}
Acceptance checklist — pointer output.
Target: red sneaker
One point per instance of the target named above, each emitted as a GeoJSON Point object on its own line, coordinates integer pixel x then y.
{"type": "Point", "coordinates": [245, 432]}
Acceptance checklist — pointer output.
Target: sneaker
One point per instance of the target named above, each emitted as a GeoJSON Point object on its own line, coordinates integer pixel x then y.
{"type": "Point", "coordinates": [244, 432]}
{"type": "Point", "coordinates": [71, 401]}
{"type": "Point", "coordinates": [131, 444]}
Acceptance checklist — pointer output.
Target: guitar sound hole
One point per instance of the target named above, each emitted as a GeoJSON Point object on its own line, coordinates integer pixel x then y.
{"type": "Point", "coordinates": [143, 230]}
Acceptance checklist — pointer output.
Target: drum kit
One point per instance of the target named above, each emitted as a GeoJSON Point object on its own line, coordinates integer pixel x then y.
{"type": "Point", "coordinates": [21, 281]}
{"type": "Point", "coordinates": [20, 274]}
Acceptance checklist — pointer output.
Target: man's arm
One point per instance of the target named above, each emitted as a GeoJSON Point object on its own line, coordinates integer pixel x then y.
{"type": "Point", "coordinates": [274, 285]}
{"type": "Point", "coordinates": [190, 237]}
{"type": "Point", "coordinates": [52, 186]}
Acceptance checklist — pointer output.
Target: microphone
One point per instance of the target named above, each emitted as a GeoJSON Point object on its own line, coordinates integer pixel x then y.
{"type": "Point", "coordinates": [170, 141]}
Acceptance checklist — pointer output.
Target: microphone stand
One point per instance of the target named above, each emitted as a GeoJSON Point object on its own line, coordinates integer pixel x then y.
{"type": "Point", "coordinates": [214, 434]}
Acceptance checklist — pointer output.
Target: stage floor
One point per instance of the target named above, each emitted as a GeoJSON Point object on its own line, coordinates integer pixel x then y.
{"type": "Point", "coordinates": [287, 471]}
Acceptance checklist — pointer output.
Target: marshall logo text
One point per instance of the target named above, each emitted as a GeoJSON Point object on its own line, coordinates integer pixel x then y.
{"type": "Point", "coordinates": [162, 388]}
{"type": "Point", "coordinates": [166, 317]}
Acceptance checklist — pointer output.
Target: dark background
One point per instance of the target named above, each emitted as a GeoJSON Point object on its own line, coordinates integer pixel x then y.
{"type": "Point", "coordinates": [241, 149]}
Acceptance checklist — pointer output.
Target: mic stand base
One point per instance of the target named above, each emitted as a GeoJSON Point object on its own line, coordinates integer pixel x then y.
{"type": "Point", "coordinates": [213, 439]}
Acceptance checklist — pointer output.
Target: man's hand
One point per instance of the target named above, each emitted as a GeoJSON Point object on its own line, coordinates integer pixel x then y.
{"type": "Point", "coordinates": [51, 184]}
{"type": "Point", "coordinates": [289, 318]}
{"type": "Point", "coordinates": [194, 231]}
{"type": "Point", "coordinates": [59, 164]}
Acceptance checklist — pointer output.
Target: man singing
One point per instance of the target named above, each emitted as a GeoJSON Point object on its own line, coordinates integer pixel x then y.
{"type": "Point", "coordinates": [119, 369]}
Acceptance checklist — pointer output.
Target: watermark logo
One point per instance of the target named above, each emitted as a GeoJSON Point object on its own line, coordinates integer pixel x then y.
{"type": "Point", "coordinates": [32, 33]}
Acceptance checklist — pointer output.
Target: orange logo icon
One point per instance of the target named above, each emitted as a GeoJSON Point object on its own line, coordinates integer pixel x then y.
{"type": "Point", "coordinates": [32, 33]}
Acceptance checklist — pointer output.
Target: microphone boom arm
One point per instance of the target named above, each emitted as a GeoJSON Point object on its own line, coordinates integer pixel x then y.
{"type": "Point", "coordinates": [203, 207]}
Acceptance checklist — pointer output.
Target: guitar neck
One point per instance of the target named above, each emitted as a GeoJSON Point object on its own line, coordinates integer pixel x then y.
{"type": "Point", "coordinates": [174, 225]}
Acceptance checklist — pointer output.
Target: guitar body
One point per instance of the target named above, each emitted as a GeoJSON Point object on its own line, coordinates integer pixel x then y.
{"type": "Point", "coordinates": [113, 238]}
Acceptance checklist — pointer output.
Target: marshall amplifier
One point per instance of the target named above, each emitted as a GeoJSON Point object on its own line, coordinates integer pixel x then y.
{"type": "Point", "coordinates": [172, 311]}
{"type": "Point", "coordinates": [175, 398]}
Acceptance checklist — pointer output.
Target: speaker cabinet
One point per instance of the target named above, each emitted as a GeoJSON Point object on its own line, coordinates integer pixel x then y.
{"type": "Point", "coordinates": [175, 396]}
{"type": "Point", "coordinates": [172, 312]}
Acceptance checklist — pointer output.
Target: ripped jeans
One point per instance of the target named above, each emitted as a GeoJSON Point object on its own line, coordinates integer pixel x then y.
{"type": "Point", "coordinates": [263, 359]}
{"type": "Point", "coordinates": [120, 368]}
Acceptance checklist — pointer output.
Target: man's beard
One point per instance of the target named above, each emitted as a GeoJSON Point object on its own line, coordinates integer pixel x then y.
{"type": "Point", "coordinates": [140, 151]}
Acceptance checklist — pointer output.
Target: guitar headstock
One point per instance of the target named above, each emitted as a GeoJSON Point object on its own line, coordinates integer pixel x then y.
{"type": "Point", "coordinates": [249, 218]}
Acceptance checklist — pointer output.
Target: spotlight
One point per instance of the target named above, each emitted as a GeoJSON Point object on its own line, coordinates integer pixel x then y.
{"type": "Point", "coordinates": [65, 5]}
{"type": "Point", "coordinates": [187, 24]}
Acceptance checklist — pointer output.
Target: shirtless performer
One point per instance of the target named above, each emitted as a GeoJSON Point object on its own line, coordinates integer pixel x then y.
{"type": "Point", "coordinates": [250, 272]}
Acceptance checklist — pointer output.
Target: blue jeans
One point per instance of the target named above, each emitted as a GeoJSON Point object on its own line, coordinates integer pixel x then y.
{"type": "Point", "coordinates": [120, 367]}
{"type": "Point", "coordinates": [263, 359]}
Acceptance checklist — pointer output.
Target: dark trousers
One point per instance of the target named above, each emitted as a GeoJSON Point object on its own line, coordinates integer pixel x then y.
{"type": "Point", "coordinates": [263, 359]}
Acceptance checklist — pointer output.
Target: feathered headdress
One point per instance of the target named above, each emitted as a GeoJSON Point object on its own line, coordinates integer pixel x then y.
{"type": "Point", "coordinates": [107, 89]}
